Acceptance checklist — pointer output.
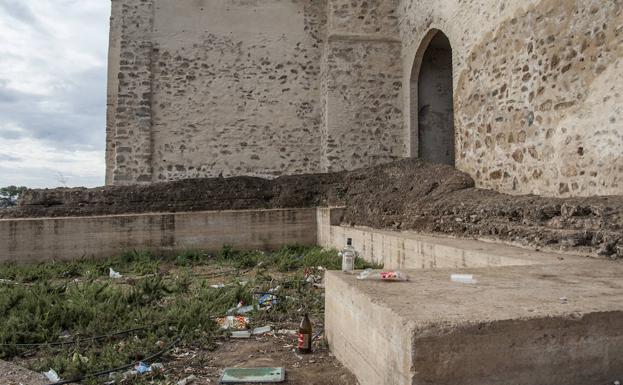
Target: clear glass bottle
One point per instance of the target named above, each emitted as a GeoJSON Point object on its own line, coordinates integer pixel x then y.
{"type": "Point", "coordinates": [348, 256]}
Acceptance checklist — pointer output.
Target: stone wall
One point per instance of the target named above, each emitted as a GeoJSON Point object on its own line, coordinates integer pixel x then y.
{"type": "Point", "coordinates": [201, 88]}
{"type": "Point", "coordinates": [232, 88]}
{"type": "Point", "coordinates": [537, 90]}
{"type": "Point", "coordinates": [131, 135]}
{"type": "Point", "coordinates": [361, 86]}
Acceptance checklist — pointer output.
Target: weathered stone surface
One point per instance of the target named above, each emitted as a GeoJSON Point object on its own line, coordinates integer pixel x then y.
{"type": "Point", "coordinates": [538, 88]}
{"type": "Point", "coordinates": [274, 87]}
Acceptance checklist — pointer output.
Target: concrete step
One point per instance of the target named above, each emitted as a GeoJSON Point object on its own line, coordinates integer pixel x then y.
{"type": "Point", "coordinates": [510, 328]}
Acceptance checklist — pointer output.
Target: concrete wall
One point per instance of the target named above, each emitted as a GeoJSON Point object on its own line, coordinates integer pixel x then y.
{"type": "Point", "coordinates": [46, 239]}
{"type": "Point", "coordinates": [510, 327]}
{"type": "Point", "coordinates": [410, 250]}
{"type": "Point", "coordinates": [537, 90]}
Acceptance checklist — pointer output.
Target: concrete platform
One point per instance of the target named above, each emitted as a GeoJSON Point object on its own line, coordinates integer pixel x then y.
{"type": "Point", "coordinates": [510, 328]}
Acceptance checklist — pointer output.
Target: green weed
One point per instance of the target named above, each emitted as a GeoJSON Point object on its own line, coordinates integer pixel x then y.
{"type": "Point", "coordinates": [161, 294]}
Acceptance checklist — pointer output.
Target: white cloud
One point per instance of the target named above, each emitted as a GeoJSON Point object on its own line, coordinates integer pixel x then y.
{"type": "Point", "coordinates": [26, 161]}
{"type": "Point", "coordinates": [52, 91]}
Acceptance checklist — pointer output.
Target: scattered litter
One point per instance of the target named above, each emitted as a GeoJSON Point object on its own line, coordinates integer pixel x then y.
{"type": "Point", "coordinates": [249, 333]}
{"type": "Point", "coordinates": [383, 275]}
{"type": "Point", "coordinates": [113, 274]}
{"type": "Point", "coordinates": [462, 278]}
{"type": "Point", "coordinates": [288, 332]}
{"type": "Point", "coordinates": [617, 382]}
{"type": "Point", "coordinates": [77, 357]}
{"type": "Point", "coordinates": [252, 375]}
{"type": "Point", "coordinates": [218, 286]}
{"type": "Point", "coordinates": [142, 368]}
{"type": "Point", "coordinates": [233, 322]}
{"type": "Point", "coordinates": [65, 335]}
{"type": "Point", "coordinates": [52, 375]}
{"type": "Point", "coordinates": [268, 300]}
{"type": "Point", "coordinates": [241, 334]}
{"type": "Point", "coordinates": [240, 309]}
{"type": "Point", "coordinates": [188, 380]}
{"type": "Point", "coordinates": [564, 300]}
{"type": "Point", "coordinates": [262, 330]}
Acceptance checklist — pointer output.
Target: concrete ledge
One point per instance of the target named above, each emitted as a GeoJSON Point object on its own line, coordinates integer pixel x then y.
{"type": "Point", "coordinates": [509, 328]}
{"type": "Point", "coordinates": [410, 250]}
{"type": "Point", "coordinates": [45, 239]}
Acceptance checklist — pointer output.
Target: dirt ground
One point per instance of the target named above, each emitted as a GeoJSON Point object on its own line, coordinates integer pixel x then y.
{"type": "Point", "coordinates": [404, 195]}
{"type": "Point", "coordinates": [15, 375]}
{"type": "Point", "coordinates": [270, 350]}
{"type": "Point", "coordinates": [318, 368]}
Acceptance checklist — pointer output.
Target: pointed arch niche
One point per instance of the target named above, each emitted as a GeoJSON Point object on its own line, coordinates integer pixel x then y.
{"type": "Point", "coordinates": [432, 106]}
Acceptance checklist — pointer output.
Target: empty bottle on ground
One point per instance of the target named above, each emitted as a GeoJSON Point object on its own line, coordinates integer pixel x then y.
{"type": "Point", "coordinates": [348, 256]}
{"type": "Point", "coordinates": [305, 336]}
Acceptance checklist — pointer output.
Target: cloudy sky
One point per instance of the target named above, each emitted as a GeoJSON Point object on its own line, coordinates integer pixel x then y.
{"type": "Point", "coordinates": [53, 92]}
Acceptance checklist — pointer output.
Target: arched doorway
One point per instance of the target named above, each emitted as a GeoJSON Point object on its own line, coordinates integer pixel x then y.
{"type": "Point", "coordinates": [432, 109]}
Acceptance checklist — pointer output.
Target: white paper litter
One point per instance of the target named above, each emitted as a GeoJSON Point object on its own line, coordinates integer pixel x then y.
{"type": "Point", "coordinates": [52, 375]}
{"type": "Point", "coordinates": [113, 274]}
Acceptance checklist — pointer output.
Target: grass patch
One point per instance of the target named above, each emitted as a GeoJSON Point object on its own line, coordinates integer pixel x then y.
{"type": "Point", "coordinates": [165, 295]}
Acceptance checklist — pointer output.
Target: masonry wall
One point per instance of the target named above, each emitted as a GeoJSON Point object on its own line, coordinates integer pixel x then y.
{"type": "Point", "coordinates": [201, 88]}
{"type": "Point", "coordinates": [538, 87]}
{"type": "Point", "coordinates": [227, 87]}
{"type": "Point", "coordinates": [361, 85]}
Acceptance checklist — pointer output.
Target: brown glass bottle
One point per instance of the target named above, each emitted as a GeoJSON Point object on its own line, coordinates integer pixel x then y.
{"type": "Point", "coordinates": [305, 336]}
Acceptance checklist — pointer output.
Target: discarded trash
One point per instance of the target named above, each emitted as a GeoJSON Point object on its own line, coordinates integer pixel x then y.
{"type": "Point", "coordinates": [252, 375]}
{"type": "Point", "coordinates": [348, 255]}
{"type": "Point", "coordinates": [188, 380]}
{"type": "Point", "coordinates": [113, 274]}
{"type": "Point", "coordinates": [383, 275]}
{"type": "Point", "coordinates": [52, 375]}
{"type": "Point", "coordinates": [287, 332]}
{"type": "Point", "coordinates": [239, 310]}
{"type": "Point", "coordinates": [462, 278]}
{"type": "Point", "coordinates": [268, 300]}
{"type": "Point", "coordinates": [249, 333]}
{"type": "Point", "coordinates": [262, 330]}
{"type": "Point", "coordinates": [244, 309]}
{"type": "Point", "coordinates": [241, 334]}
{"type": "Point", "coordinates": [564, 300]}
{"type": "Point", "coordinates": [218, 286]}
{"type": "Point", "coordinates": [233, 322]}
{"type": "Point", "coordinates": [617, 382]}
{"type": "Point", "coordinates": [305, 336]}
{"type": "Point", "coordinates": [65, 335]}
{"type": "Point", "coordinates": [142, 368]}
{"type": "Point", "coordinates": [77, 357]}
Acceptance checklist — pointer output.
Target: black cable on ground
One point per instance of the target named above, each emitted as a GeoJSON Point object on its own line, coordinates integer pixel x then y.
{"type": "Point", "coordinates": [113, 370]}
{"type": "Point", "coordinates": [97, 338]}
